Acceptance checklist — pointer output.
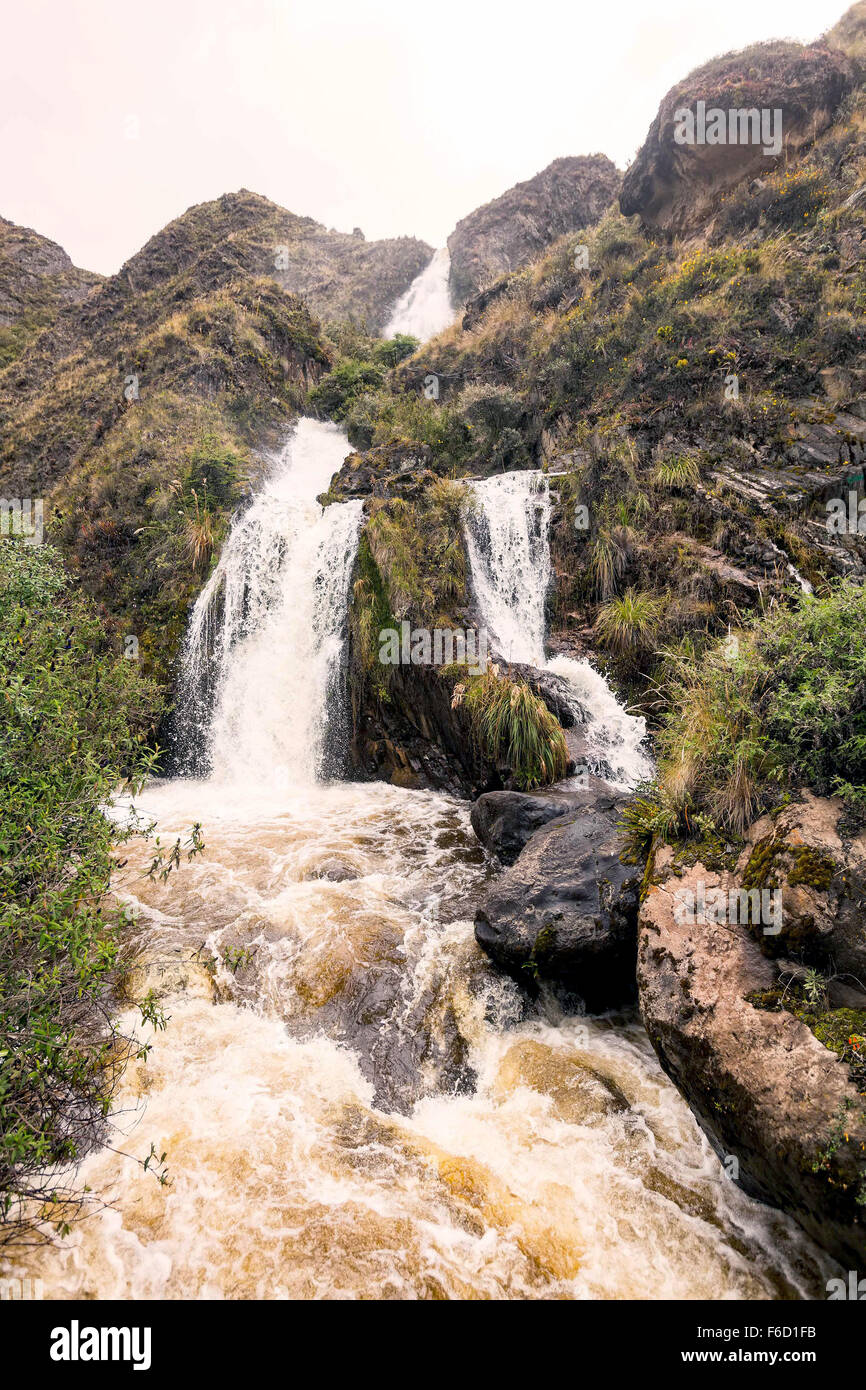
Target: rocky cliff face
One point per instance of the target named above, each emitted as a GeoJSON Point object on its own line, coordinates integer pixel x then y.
{"type": "Point", "coordinates": [37, 279]}
{"type": "Point", "coordinates": [512, 229]}
{"type": "Point", "coordinates": [773, 99]}
{"type": "Point", "coordinates": [770, 1062]}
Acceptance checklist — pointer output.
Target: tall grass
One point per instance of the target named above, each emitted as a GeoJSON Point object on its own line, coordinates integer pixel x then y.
{"type": "Point", "coordinates": [515, 728]}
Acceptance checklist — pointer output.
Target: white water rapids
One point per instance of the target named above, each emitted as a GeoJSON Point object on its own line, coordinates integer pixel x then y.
{"type": "Point", "coordinates": [352, 1101]}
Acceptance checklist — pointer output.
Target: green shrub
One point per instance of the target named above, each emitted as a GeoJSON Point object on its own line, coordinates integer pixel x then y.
{"type": "Point", "coordinates": [75, 719]}
{"type": "Point", "coordinates": [780, 706]}
{"type": "Point", "coordinates": [335, 392]}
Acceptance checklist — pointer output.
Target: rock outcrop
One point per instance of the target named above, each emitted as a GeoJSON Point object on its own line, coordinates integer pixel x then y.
{"type": "Point", "coordinates": [569, 194]}
{"type": "Point", "coordinates": [679, 176]}
{"type": "Point", "coordinates": [735, 1016]}
{"type": "Point", "coordinates": [566, 911]}
{"type": "Point", "coordinates": [37, 278]}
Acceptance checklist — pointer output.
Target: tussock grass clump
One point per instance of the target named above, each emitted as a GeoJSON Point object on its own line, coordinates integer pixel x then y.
{"type": "Point", "coordinates": [515, 728]}
{"type": "Point", "coordinates": [630, 625]}
{"type": "Point", "coordinates": [677, 473]}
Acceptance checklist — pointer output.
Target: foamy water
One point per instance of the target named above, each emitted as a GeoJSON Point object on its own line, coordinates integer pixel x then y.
{"type": "Point", "coordinates": [508, 544]}
{"type": "Point", "coordinates": [426, 307]}
{"type": "Point", "coordinates": [353, 1103]}
{"type": "Point", "coordinates": [525, 1157]}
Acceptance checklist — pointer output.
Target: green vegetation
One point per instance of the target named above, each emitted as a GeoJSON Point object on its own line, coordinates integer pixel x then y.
{"type": "Point", "coordinates": [417, 545]}
{"type": "Point", "coordinates": [782, 705]}
{"type": "Point", "coordinates": [515, 728]}
{"type": "Point", "coordinates": [362, 368]}
{"type": "Point", "coordinates": [630, 625]}
{"type": "Point", "coordinates": [76, 720]}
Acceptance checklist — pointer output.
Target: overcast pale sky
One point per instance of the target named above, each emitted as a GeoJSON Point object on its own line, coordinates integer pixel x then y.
{"type": "Point", "coordinates": [398, 117]}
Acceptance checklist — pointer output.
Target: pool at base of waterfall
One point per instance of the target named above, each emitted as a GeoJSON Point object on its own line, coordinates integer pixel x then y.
{"type": "Point", "coordinates": [527, 1155]}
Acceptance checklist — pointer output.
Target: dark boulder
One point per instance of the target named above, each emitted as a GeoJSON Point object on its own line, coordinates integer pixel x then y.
{"type": "Point", "coordinates": [505, 821]}
{"type": "Point", "coordinates": [566, 911]}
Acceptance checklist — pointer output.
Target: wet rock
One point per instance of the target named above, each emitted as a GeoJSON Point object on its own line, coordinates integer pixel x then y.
{"type": "Point", "coordinates": [334, 870]}
{"type": "Point", "coordinates": [677, 187]}
{"type": "Point", "coordinates": [712, 993]}
{"type": "Point", "coordinates": [566, 911]}
{"type": "Point", "coordinates": [505, 821]}
{"type": "Point", "coordinates": [552, 689]}
{"type": "Point", "coordinates": [580, 1095]}
{"type": "Point", "coordinates": [421, 739]}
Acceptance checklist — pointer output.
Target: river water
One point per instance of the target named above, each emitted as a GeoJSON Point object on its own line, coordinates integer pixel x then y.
{"type": "Point", "coordinates": [352, 1101]}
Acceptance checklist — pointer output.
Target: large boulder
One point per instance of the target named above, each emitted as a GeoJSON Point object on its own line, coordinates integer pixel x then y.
{"type": "Point", "coordinates": [677, 186]}
{"type": "Point", "coordinates": [505, 821]}
{"type": "Point", "coordinates": [566, 911]}
{"type": "Point", "coordinates": [569, 194]}
{"type": "Point", "coordinates": [736, 1015]}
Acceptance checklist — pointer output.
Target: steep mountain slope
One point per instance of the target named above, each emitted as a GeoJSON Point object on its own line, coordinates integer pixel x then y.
{"type": "Point", "coordinates": [702, 396]}
{"type": "Point", "coordinates": [36, 279]}
{"type": "Point", "coordinates": [137, 417]}
{"type": "Point", "coordinates": [509, 231]}
{"type": "Point", "coordinates": [338, 276]}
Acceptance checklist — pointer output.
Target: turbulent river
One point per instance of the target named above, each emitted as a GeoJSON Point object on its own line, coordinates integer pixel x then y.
{"type": "Point", "coordinates": [352, 1101]}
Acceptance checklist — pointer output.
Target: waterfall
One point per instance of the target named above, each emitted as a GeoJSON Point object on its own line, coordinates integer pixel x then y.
{"type": "Point", "coordinates": [507, 540]}
{"type": "Point", "coordinates": [262, 663]}
{"type": "Point", "coordinates": [426, 308]}
{"type": "Point", "coordinates": [353, 1102]}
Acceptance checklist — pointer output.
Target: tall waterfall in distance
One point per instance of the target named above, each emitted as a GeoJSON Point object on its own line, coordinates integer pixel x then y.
{"type": "Point", "coordinates": [426, 307]}
{"type": "Point", "coordinates": [263, 655]}
{"type": "Point", "coordinates": [507, 540]}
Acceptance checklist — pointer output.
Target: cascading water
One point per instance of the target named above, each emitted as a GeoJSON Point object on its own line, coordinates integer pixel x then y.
{"type": "Point", "coordinates": [266, 635]}
{"type": "Point", "coordinates": [507, 539]}
{"type": "Point", "coordinates": [352, 1101]}
{"type": "Point", "coordinates": [426, 307]}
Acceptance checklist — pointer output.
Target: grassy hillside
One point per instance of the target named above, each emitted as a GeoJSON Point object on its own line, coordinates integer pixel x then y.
{"type": "Point", "coordinates": [138, 417]}
{"type": "Point", "coordinates": [701, 398]}
{"type": "Point", "coordinates": [37, 279]}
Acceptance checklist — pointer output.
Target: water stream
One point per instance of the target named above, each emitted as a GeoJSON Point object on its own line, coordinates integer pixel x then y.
{"type": "Point", "coordinates": [352, 1101]}
{"type": "Point", "coordinates": [507, 538]}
